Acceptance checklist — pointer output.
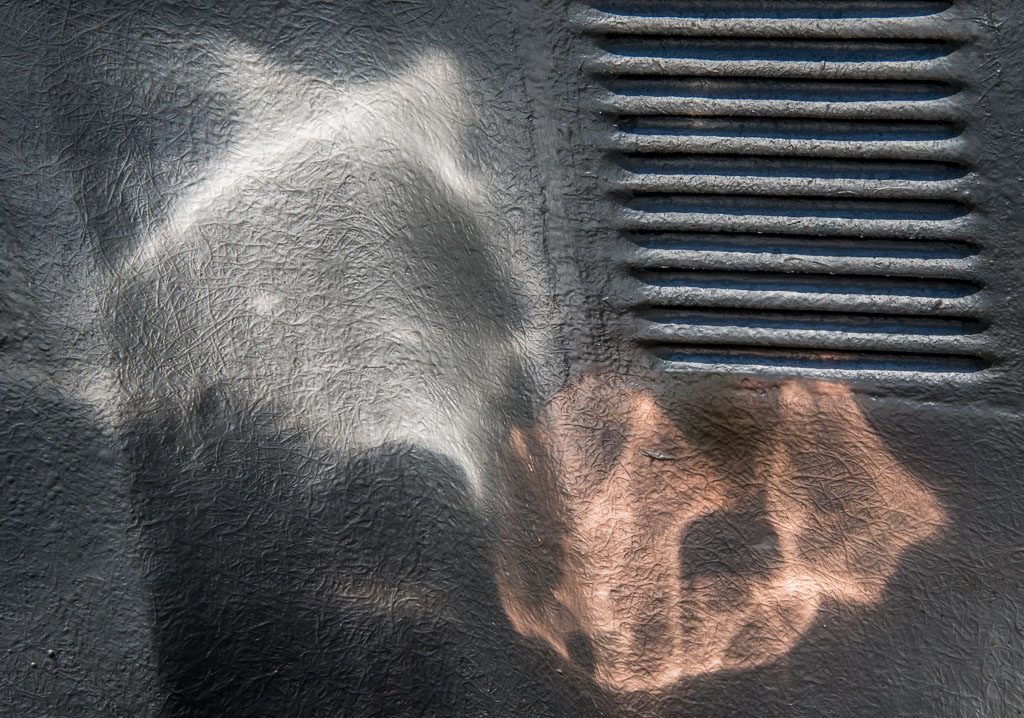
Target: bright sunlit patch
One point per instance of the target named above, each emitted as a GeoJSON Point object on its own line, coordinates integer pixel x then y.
{"type": "Point", "coordinates": [676, 560]}
{"type": "Point", "coordinates": [294, 116]}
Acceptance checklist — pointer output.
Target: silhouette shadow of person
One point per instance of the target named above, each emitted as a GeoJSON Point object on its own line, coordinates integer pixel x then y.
{"type": "Point", "coordinates": [288, 581]}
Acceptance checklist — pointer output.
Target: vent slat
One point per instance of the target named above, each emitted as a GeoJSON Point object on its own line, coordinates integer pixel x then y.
{"type": "Point", "coordinates": [654, 296]}
{"type": "Point", "coordinates": [810, 9]}
{"type": "Point", "coordinates": [795, 185]}
{"type": "Point", "coordinates": [744, 357]}
{"type": "Point", "coordinates": [623, 143]}
{"type": "Point", "coordinates": [663, 104]}
{"type": "Point", "coordinates": [595, 22]}
{"type": "Point", "coordinates": [750, 19]}
{"type": "Point", "coordinates": [631, 220]}
{"type": "Point", "coordinates": [924, 267]}
{"type": "Point", "coordinates": [847, 323]}
{"type": "Point", "coordinates": [880, 255]}
{"type": "Point", "coordinates": [782, 50]}
{"type": "Point", "coordinates": [803, 339]}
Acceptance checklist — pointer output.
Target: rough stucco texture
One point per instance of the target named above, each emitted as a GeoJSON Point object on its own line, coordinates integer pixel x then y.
{"type": "Point", "coordinates": [297, 422]}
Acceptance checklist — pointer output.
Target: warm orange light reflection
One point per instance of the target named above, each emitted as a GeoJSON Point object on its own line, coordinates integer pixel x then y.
{"type": "Point", "coordinates": [649, 550]}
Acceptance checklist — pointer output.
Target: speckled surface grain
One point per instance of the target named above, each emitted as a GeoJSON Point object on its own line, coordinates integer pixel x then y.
{"type": "Point", "coordinates": [324, 395]}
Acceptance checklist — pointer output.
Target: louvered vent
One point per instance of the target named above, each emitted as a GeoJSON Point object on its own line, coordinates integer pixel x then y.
{"type": "Point", "coordinates": [791, 179]}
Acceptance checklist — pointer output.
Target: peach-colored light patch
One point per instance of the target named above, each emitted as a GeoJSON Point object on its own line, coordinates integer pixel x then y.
{"type": "Point", "coordinates": [634, 549]}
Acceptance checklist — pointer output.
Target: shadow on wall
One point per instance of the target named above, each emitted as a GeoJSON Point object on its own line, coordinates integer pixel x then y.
{"type": "Point", "coordinates": [643, 552]}
{"type": "Point", "coordinates": [289, 581]}
{"type": "Point", "coordinates": [350, 253]}
{"type": "Point", "coordinates": [651, 542]}
{"type": "Point", "coordinates": [74, 633]}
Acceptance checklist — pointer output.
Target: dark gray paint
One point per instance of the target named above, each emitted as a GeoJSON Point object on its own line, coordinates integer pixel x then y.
{"type": "Point", "coordinates": [224, 502]}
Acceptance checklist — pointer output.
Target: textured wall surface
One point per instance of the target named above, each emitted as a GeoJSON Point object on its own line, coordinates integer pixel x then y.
{"type": "Point", "coordinates": [511, 359]}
